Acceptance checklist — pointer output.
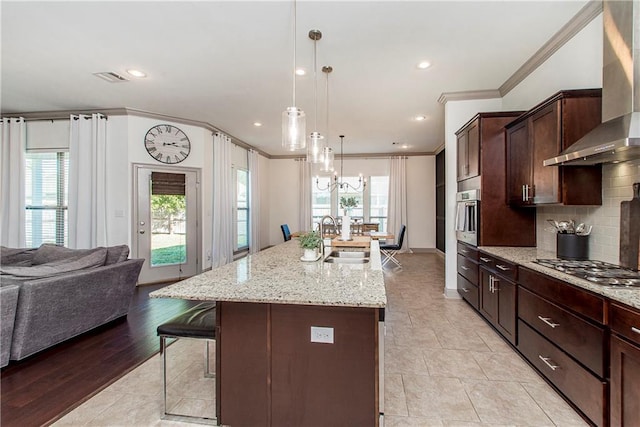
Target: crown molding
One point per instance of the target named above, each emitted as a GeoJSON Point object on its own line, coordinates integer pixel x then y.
{"type": "Point", "coordinates": [468, 95]}
{"type": "Point", "coordinates": [581, 19]}
{"type": "Point", "coordinates": [365, 156]}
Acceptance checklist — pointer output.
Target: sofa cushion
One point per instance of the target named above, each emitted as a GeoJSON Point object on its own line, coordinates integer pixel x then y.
{"type": "Point", "coordinates": [117, 254]}
{"type": "Point", "coordinates": [48, 252]}
{"type": "Point", "coordinates": [94, 258]}
{"type": "Point", "coordinates": [16, 256]}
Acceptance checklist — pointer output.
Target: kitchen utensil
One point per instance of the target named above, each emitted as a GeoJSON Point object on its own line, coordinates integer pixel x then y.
{"type": "Point", "coordinates": [587, 232]}
{"type": "Point", "coordinates": [555, 224]}
{"type": "Point", "coordinates": [563, 227]}
{"type": "Point", "coordinates": [630, 230]}
{"type": "Point", "coordinates": [580, 228]}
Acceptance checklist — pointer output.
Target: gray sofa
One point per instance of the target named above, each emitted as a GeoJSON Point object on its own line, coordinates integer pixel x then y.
{"type": "Point", "coordinates": [63, 293]}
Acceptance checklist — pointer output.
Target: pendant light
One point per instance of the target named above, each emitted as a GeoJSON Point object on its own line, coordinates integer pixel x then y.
{"type": "Point", "coordinates": [316, 143]}
{"type": "Point", "coordinates": [293, 118]}
{"type": "Point", "coordinates": [327, 152]}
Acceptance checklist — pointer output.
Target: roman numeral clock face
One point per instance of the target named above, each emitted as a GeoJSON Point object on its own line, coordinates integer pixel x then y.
{"type": "Point", "coordinates": [167, 144]}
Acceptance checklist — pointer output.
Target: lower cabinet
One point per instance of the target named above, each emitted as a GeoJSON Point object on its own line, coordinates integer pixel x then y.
{"type": "Point", "coordinates": [625, 366]}
{"type": "Point", "coordinates": [498, 297]}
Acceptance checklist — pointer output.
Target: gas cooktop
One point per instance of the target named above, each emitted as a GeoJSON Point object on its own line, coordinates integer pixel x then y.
{"type": "Point", "coordinates": [597, 272]}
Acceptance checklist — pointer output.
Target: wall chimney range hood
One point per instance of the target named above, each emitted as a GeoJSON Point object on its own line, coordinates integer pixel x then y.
{"type": "Point", "coordinates": [617, 139]}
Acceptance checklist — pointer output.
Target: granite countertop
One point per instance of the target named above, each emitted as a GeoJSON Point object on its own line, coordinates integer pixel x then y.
{"type": "Point", "coordinates": [526, 256]}
{"type": "Point", "coordinates": [277, 275]}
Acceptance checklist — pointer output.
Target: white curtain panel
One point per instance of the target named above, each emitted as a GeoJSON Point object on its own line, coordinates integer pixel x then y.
{"type": "Point", "coordinates": [304, 214]}
{"type": "Point", "coordinates": [12, 182]}
{"type": "Point", "coordinates": [88, 181]}
{"type": "Point", "coordinates": [254, 201]}
{"type": "Point", "coordinates": [398, 199]}
{"type": "Point", "coordinates": [223, 223]}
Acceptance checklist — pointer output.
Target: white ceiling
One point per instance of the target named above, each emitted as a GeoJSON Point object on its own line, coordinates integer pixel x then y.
{"type": "Point", "coordinates": [229, 63]}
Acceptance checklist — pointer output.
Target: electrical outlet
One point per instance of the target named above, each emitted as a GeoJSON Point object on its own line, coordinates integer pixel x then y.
{"type": "Point", "coordinates": [322, 335]}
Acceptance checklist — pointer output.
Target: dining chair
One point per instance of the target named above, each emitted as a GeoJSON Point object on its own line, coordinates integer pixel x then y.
{"type": "Point", "coordinates": [389, 251]}
{"type": "Point", "coordinates": [285, 232]}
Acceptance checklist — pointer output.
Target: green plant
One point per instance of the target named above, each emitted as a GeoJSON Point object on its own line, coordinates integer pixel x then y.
{"type": "Point", "coordinates": [310, 240]}
{"type": "Point", "coordinates": [348, 202]}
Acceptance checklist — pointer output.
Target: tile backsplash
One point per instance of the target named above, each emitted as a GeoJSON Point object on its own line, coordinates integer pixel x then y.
{"type": "Point", "coordinates": [604, 241]}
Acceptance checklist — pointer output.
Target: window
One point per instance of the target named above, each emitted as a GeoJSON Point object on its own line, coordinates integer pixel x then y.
{"type": "Point", "coordinates": [378, 188]}
{"type": "Point", "coordinates": [320, 199]}
{"type": "Point", "coordinates": [348, 191]}
{"type": "Point", "coordinates": [46, 198]}
{"type": "Point", "coordinates": [242, 209]}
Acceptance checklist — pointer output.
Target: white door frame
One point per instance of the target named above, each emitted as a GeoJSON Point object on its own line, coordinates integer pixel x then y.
{"type": "Point", "coordinates": [135, 218]}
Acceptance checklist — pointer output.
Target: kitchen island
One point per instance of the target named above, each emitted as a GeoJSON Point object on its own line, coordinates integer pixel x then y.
{"type": "Point", "coordinates": [298, 343]}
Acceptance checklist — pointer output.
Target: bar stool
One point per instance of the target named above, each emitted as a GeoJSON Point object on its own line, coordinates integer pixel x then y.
{"type": "Point", "coordinates": [199, 323]}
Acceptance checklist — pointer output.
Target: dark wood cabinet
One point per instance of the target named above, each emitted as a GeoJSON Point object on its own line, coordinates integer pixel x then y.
{"type": "Point", "coordinates": [625, 365]}
{"type": "Point", "coordinates": [498, 295]}
{"type": "Point", "coordinates": [469, 151]}
{"type": "Point", "coordinates": [467, 281]}
{"type": "Point", "coordinates": [561, 332]}
{"type": "Point", "coordinates": [483, 138]}
{"type": "Point", "coordinates": [544, 132]}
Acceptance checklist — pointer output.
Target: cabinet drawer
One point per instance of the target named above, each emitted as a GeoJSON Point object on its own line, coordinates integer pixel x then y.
{"type": "Point", "coordinates": [581, 339]}
{"type": "Point", "coordinates": [498, 265]}
{"type": "Point", "coordinates": [625, 322]}
{"type": "Point", "coordinates": [468, 291]}
{"type": "Point", "coordinates": [562, 293]}
{"type": "Point", "coordinates": [468, 251]}
{"type": "Point", "coordinates": [585, 390]}
{"type": "Point", "coordinates": [468, 269]}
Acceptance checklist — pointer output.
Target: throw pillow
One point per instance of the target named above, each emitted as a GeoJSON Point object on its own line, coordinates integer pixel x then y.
{"type": "Point", "coordinates": [48, 252]}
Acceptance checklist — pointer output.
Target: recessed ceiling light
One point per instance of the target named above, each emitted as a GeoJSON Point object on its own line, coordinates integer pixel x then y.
{"type": "Point", "coordinates": [300, 71]}
{"type": "Point", "coordinates": [424, 65]}
{"type": "Point", "coordinates": [420, 118]}
{"type": "Point", "coordinates": [136, 73]}
{"type": "Point", "coordinates": [404, 146]}
{"type": "Point", "coordinates": [257, 124]}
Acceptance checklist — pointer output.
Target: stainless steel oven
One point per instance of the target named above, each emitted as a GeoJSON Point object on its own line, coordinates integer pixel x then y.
{"type": "Point", "coordinates": [468, 216]}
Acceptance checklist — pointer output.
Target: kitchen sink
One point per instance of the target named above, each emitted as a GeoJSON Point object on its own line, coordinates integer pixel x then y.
{"type": "Point", "coordinates": [348, 257]}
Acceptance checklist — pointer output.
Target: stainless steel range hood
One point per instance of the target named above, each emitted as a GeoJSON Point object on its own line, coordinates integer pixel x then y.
{"type": "Point", "coordinates": [618, 137]}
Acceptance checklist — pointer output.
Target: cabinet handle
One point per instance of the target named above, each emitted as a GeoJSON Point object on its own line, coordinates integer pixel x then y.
{"type": "Point", "coordinates": [548, 321]}
{"type": "Point", "coordinates": [490, 283]}
{"type": "Point", "coordinates": [502, 267]}
{"type": "Point", "coordinates": [523, 194]}
{"type": "Point", "coordinates": [465, 290]}
{"type": "Point", "coordinates": [495, 288]}
{"type": "Point", "coordinates": [464, 251]}
{"type": "Point", "coordinates": [636, 330]}
{"type": "Point", "coordinates": [547, 361]}
{"type": "Point", "coordinates": [485, 259]}
{"type": "Point", "coordinates": [464, 267]}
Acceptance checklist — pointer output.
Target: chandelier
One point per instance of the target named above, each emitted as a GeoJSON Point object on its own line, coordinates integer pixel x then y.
{"type": "Point", "coordinates": [339, 182]}
{"type": "Point", "coordinates": [293, 118]}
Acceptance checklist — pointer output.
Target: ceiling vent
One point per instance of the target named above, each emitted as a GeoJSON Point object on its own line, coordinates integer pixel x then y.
{"type": "Point", "coordinates": [111, 77]}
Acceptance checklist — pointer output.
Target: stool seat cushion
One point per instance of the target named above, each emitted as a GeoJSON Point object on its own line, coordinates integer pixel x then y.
{"type": "Point", "coordinates": [197, 322]}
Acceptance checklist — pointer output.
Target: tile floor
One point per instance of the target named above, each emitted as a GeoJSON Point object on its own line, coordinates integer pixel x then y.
{"type": "Point", "coordinates": [444, 366]}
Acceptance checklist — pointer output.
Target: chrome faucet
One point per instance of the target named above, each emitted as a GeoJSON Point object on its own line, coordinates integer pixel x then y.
{"type": "Point", "coordinates": [321, 224]}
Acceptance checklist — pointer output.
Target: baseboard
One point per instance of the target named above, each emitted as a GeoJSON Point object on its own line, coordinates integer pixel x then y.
{"type": "Point", "coordinates": [451, 294]}
{"type": "Point", "coordinates": [423, 250]}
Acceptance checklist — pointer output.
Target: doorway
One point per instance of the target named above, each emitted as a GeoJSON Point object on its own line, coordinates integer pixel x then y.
{"type": "Point", "coordinates": [166, 232]}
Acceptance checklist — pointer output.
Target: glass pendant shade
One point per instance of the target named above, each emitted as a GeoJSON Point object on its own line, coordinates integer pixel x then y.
{"type": "Point", "coordinates": [314, 149]}
{"type": "Point", "coordinates": [327, 160]}
{"type": "Point", "coordinates": [293, 129]}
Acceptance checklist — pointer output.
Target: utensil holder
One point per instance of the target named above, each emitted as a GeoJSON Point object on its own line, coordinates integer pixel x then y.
{"type": "Point", "coordinates": [572, 247]}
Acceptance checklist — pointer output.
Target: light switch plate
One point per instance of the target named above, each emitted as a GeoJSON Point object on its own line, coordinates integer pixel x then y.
{"type": "Point", "coordinates": [322, 334]}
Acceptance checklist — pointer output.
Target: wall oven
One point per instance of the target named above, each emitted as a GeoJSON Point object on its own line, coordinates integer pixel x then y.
{"type": "Point", "coordinates": [467, 216]}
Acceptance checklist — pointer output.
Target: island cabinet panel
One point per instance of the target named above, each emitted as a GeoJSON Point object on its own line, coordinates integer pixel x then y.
{"type": "Point", "coordinates": [625, 365]}
{"type": "Point", "coordinates": [319, 383]}
{"type": "Point", "coordinates": [271, 374]}
{"type": "Point", "coordinates": [542, 133]}
{"type": "Point", "coordinates": [586, 391]}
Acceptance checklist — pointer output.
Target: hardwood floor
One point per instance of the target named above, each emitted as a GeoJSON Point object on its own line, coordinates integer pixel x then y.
{"type": "Point", "coordinates": [38, 390]}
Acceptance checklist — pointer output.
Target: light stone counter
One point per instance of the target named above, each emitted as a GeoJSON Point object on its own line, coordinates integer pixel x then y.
{"type": "Point", "coordinates": [526, 256]}
{"type": "Point", "coordinates": [277, 275]}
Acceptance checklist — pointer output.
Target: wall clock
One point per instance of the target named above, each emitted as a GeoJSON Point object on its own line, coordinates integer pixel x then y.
{"type": "Point", "coordinates": [167, 144]}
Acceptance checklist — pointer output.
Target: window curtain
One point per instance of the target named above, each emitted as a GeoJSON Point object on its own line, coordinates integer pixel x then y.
{"type": "Point", "coordinates": [223, 223]}
{"type": "Point", "coordinates": [12, 182]}
{"type": "Point", "coordinates": [398, 199]}
{"type": "Point", "coordinates": [305, 218]}
{"type": "Point", "coordinates": [254, 201]}
{"type": "Point", "coordinates": [88, 181]}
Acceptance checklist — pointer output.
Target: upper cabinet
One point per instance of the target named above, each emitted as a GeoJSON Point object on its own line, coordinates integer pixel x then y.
{"type": "Point", "coordinates": [469, 150]}
{"type": "Point", "coordinates": [543, 132]}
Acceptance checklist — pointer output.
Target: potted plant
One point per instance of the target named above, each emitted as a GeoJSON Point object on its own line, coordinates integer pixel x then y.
{"type": "Point", "coordinates": [310, 242]}
{"type": "Point", "coordinates": [348, 203]}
